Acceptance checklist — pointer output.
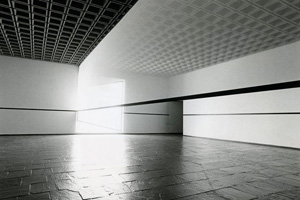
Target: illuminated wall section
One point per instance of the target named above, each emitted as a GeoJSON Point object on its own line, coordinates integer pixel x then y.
{"type": "Point", "coordinates": [109, 120]}
{"type": "Point", "coordinates": [94, 81]}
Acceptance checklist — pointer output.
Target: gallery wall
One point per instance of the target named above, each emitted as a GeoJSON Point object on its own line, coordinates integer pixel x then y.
{"type": "Point", "coordinates": [136, 88]}
{"type": "Point", "coordinates": [269, 117]}
{"type": "Point", "coordinates": [141, 119]}
{"type": "Point", "coordinates": [154, 118]}
{"type": "Point", "coordinates": [37, 96]}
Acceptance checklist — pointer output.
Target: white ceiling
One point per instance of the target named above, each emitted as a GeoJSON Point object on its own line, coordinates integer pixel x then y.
{"type": "Point", "coordinates": [170, 37]}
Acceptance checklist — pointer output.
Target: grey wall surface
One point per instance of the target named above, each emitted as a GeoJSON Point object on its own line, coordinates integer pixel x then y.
{"type": "Point", "coordinates": [35, 84]}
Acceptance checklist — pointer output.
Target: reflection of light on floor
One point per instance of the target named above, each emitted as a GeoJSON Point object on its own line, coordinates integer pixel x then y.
{"type": "Point", "coordinates": [98, 150]}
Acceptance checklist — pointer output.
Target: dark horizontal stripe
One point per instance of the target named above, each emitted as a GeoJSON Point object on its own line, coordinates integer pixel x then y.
{"type": "Point", "coordinates": [279, 113]}
{"type": "Point", "coordinates": [37, 109]}
{"type": "Point", "coordinates": [132, 113]}
{"type": "Point", "coordinates": [261, 88]}
{"type": "Point", "coordinates": [62, 134]}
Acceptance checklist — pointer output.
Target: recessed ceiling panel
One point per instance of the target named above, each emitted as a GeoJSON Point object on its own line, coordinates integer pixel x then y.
{"type": "Point", "coordinates": [64, 31]}
{"type": "Point", "coordinates": [170, 37]}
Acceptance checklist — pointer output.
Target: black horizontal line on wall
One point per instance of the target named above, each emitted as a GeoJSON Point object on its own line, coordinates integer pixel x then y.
{"type": "Point", "coordinates": [60, 134]}
{"type": "Point", "coordinates": [278, 113]}
{"type": "Point", "coordinates": [261, 88]}
{"type": "Point", "coordinates": [37, 109]}
{"type": "Point", "coordinates": [133, 113]}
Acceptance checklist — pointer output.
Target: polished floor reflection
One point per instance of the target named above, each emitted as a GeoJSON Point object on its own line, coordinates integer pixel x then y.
{"type": "Point", "coordinates": [144, 167]}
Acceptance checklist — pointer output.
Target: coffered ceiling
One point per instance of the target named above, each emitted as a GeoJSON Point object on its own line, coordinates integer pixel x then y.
{"type": "Point", "coordinates": [159, 37]}
{"type": "Point", "coordinates": [64, 31]}
{"type": "Point", "coordinates": [169, 37]}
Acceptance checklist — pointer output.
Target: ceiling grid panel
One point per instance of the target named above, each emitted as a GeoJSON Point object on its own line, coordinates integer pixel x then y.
{"type": "Point", "coordinates": [31, 24]}
{"type": "Point", "coordinates": [5, 48]}
{"type": "Point", "coordinates": [178, 36]}
{"type": "Point", "coordinates": [114, 10]}
{"type": "Point", "coordinates": [45, 56]}
{"type": "Point", "coordinates": [56, 54]}
{"type": "Point", "coordinates": [16, 37]}
{"type": "Point", "coordinates": [64, 31]}
{"type": "Point", "coordinates": [158, 37]}
{"type": "Point", "coordinates": [81, 8]}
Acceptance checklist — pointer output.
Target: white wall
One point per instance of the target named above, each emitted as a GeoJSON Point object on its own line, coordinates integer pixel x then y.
{"type": "Point", "coordinates": [136, 88]}
{"type": "Point", "coordinates": [272, 66]}
{"type": "Point", "coordinates": [247, 117]}
{"type": "Point", "coordinates": [235, 117]}
{"type": "Point", "coordinates": [93, 73]}
{"type": "Point", "coordinates": [26, 83]}
{"type": "Point", "coordinates": [36, 122]}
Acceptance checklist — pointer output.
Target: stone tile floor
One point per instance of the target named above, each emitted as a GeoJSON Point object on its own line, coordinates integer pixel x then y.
{"type": "Point", "coordinates": [144, 167]}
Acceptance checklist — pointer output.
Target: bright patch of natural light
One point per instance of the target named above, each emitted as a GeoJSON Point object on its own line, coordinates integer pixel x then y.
{"type": "Point", "coordinates": [102, 120]}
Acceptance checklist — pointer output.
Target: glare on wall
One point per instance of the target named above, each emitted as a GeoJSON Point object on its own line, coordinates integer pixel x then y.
{"type": "Point", "coordinates": [101, 119]}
